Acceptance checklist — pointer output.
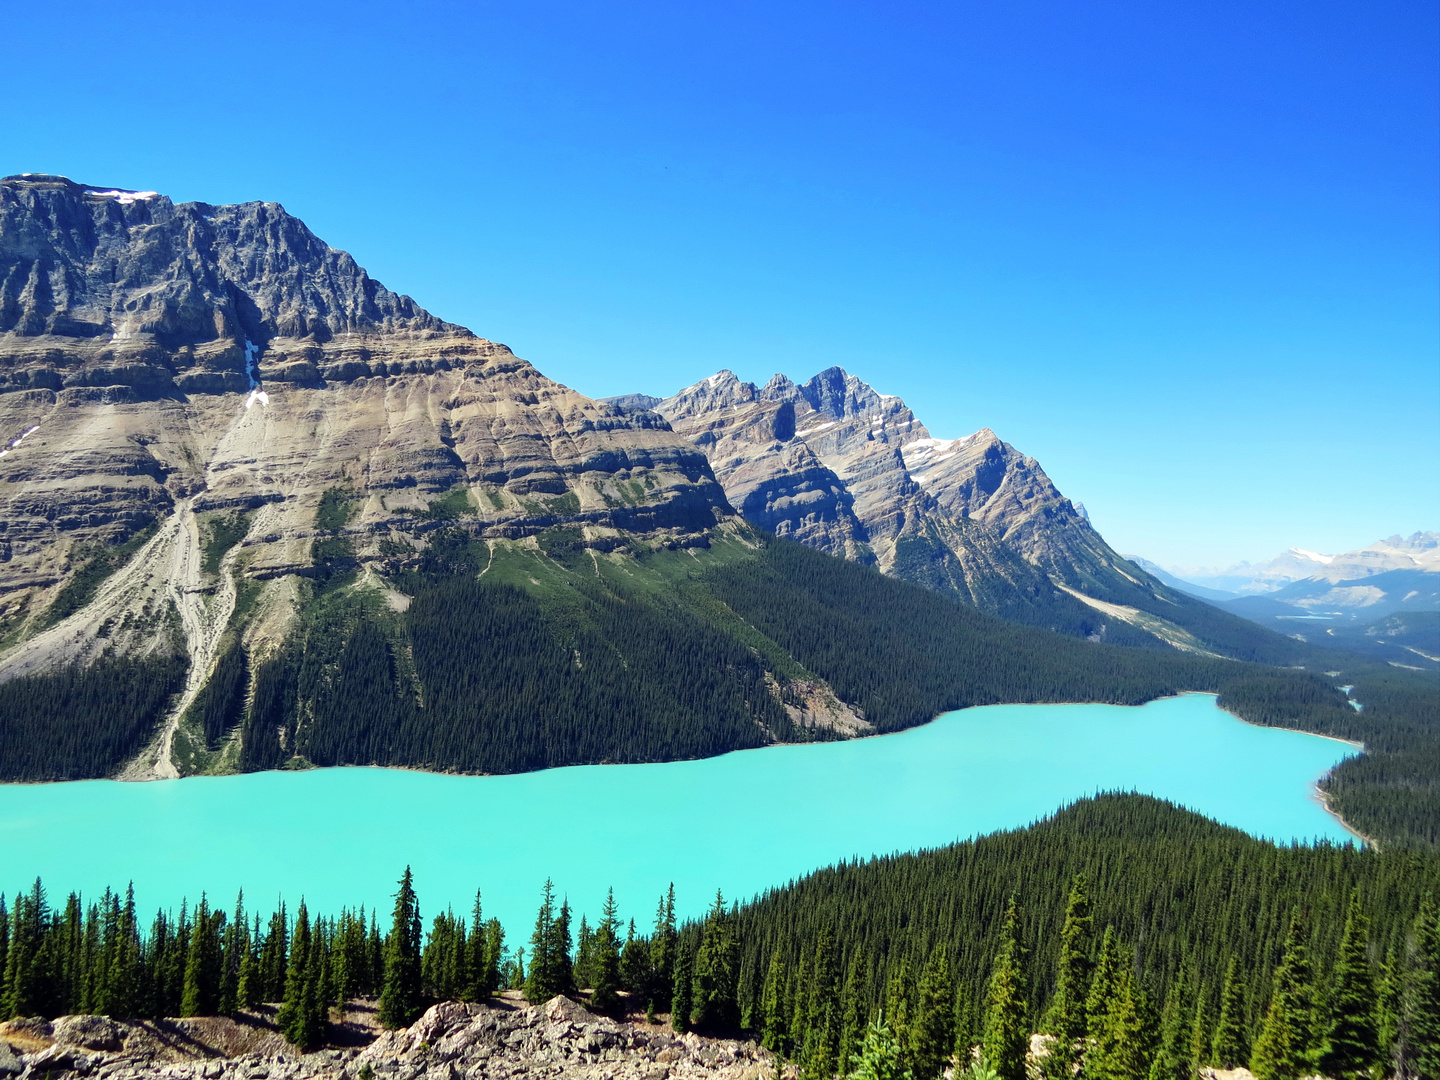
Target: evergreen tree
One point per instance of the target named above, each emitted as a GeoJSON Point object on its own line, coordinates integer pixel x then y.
{"type": "Point", "coordinates": [297, 1018]}
{"type": "Point", "coordinates": [899, 1010]}
{"type": "Point", "coordinates": [1202, 1031]}
{"type": "Point", "coordinates": [1065, 1019]}
{"type": "Point", "coordinates": [606, 962]}
{"type": "Point", "coordinates": [821, 1053]}
{"type": "Point", "coordinates": [1007, 1034]}
{"type": "Point", "coordinates": [400, 990]}
{"type": "Point", "coordinates": [774, 1007]}
{"type": "Point", "coordinates": [564, 967]}
{"type": "Point", "coordinates": [236, 945]}
{"type": "Point", "coordinates": [879, 1056]}
{"type": "Point", "coordinates": [1422, 994]}
{"type": "Point", "coordinates": [932, 1034]}
{"type": "Point", "coordinates": [201, 993]}
{"type": "Point", "coordinates": [662, 952]}
{"type": "Point", "coordinates": [1351, 1043]}
{"type": "Point", "coordinates": [542, 982]}
{"type": "Point", "coordinates": [680, 999]}
{"type": "Point", "coordinates": [1120, 1050]}
{"type": "Point", "coordinates": [854, 1018]}
{"type": "Point", "coordinates": [716, 981]}
{"type": "Point", "coordinates": [1283, 1048]}
{"type": "Point", "coordinates": [1229, 1048]}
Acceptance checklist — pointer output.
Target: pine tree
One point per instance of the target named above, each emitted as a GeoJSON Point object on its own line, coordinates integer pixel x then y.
{"type": "Point", "coordinates": [899, 1010]}
{"type": "Point", "coordinates": [662, 952]}
{"type": "Point", "coordinates": [932, 1035]}
{"type": "Point", "coordinates": [1065, 1019]}
{"type": "Point", "coordinates": [1121, 1048]}
{"type": "Point", "coordinates": [296, 1018]}
{"type": "Point", "coordinates": [1007, 1033]}
{"type": "Point", "coordinates": [853, 1000]}
{"type": "Point", "coordinates": [542, 980]}
{"type": "Point", "coordinates": [680, 997]}
{"type": "Point", "coordinates": [1351, 1043]}
{"type": "Point", "coordinates": [821, 1052]}
{"type": "Point", "coordinates": [400, 996]}
{"type": "Point", "coordinates": [774, 1007]}
{"type": "Point", "coordinates": [606, 962]}
{"type": "Point", "coordinates": [201, 993]}
{"type": "Point", "coordinates": [1422, 994]}
{"type": "Point", "coordinates": [1283, 1048]}
{"type": "Point", "coordinates": [879, 1056]}
{"type": "Point", "coordinates": [716, 980]}
{"type": "Point", "coordinates": [1229, 1049]}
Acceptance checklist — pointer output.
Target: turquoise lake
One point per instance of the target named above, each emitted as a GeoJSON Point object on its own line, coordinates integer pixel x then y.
{"type": "Point", "coordinates": [741, 822]}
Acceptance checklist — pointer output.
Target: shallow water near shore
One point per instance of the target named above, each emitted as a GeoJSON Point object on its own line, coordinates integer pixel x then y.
{"type": "Point", "coordinates": [741, 822]}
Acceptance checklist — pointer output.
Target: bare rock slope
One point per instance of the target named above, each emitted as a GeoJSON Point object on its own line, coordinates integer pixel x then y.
{"type": "Point", "coordinates": [834, 464]}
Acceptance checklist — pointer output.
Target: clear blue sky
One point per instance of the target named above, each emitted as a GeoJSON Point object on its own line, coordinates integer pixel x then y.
{"type": "Point", "coordinates": [1184, 254]}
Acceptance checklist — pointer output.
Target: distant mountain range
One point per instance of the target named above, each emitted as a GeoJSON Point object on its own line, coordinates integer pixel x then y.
{"type": "Point", "coordinates": [1383, 599]}
{"type": "Point", "coordinates": [1419, 551]}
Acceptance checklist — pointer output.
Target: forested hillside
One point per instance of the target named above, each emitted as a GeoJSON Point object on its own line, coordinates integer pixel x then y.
{"type": "Point", "coordinates": [1140, 937]}
{"type": "Point", "coordinates": [491, 658]}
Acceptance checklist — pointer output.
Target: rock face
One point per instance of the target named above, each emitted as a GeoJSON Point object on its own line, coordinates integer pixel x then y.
{"type": "Point", "coordinates": [162, 360]}
{"type": "Point", "coordinates": [834, 464]}
{"type": "Point", "coordinates": [450, 1041]}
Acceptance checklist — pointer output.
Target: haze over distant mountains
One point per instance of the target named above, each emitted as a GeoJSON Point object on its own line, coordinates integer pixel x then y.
{"type": "Point", "coordinates": [1419, 551]}
{"type": "Point", "coordinates": [1383, 599]}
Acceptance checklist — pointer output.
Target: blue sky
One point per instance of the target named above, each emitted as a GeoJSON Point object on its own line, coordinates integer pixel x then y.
{"type": "Point", "coordinates": [1184, 254]}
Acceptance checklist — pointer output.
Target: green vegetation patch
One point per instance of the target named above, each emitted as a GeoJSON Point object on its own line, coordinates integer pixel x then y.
{"type": "Point", "coordinates": [98, 562]}
{"type": "Point", "coordinates": [453, 504]}
{"type": "Point", "coordinates": [218, 534]}
{"type": "Point", "coordinates": [337, 507]}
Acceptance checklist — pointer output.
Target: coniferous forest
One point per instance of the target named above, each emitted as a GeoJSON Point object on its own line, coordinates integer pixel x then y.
{"type": "Point", "coordinates": [675, 659]}
{"type": "Point", "coordinates": [1142, 941]}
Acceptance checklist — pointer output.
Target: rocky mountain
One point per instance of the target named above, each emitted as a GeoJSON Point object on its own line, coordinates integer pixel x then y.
{"type": "Point", "coordinates": [836, 465]}
{"type": "Point", "coordinates": [182, 384]}
{"type": "Point", "coordinates": [1419, 551]}
{"type": "Point", "coordinates": [257, 510]}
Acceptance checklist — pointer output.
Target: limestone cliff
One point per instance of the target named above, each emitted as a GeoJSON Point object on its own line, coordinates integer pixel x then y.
{"type": "Point", "coordinates": [834, 464]}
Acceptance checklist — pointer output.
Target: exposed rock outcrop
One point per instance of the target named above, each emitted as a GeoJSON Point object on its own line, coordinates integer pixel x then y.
{"type": "Point", "coordinates": [451, 1041]}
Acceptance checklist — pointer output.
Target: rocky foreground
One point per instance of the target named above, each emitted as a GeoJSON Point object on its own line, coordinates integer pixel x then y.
{"type": "Point", "coordinates": [452, 1040]}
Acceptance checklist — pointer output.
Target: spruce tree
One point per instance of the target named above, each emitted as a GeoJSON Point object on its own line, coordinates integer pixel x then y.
{"type": "Point", "coordinates": [296, 1016]}
{"type": "Point", "coordinates": [1065, 1019]}
{"type": "Point", "coordinates": [899, 1009]}
{"type": "Point", "coordinates": [200, 995]}
{"type": "Point", "coordinates": [662, 952]}
{"type": "Point", "coordinates": [822, 1045]}
{"type": "Point", "coordinates": [853, 1012]}
{"type": "Point", "coordinates": [879, 1056]}
{"type": "Point", "coordinates": [400, 997]}
{"type": "Point", "coordinates": [716, 984]}
{"type": "Point", "coordinates": [1229, 1048]}
{"type": "Point", "coordinates": [932, 1035]}
{"type": "Point", "coordinates": [1121, 1047]}
{"type": "Point", "coordinates": [1284, 1046]}
{"type": "Point", "coordinates": [1351, 1043]}
{"type": "Point", "coordinates": [774, 1007]}
{"type": "Point", "coordinates": [680, 999]}
{"type": "Point", "coordinates": [542, 980]}
{"type": "Point", "coordinates": [1422, 994]}
{"type": "Point", "coordinates": [605, 964]}
{"type": "Point", "coordinates": [1007, 1033]}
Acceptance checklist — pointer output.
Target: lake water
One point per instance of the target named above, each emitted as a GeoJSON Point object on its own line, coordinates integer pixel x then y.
{"type": "Point", "coordinates": [740, 822]}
